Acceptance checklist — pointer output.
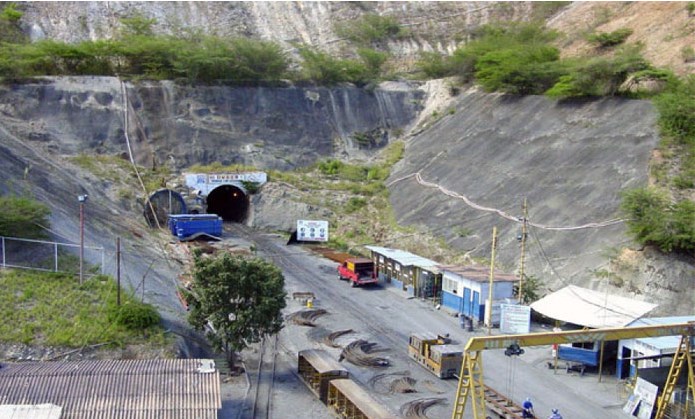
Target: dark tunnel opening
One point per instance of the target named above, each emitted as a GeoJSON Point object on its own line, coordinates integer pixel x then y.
{"type": "Point", "coordinates": [229, 202]}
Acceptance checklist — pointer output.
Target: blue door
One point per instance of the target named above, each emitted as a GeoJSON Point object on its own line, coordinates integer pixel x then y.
{"type": "Point", "coordinates": [467, 302]}
{"type": "Point", "coordinates": [476, 305]}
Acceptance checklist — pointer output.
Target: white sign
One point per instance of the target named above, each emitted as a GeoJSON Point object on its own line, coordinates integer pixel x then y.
{"type": "Point", "coordinates": [312, 231]}
{"type": "Point", "coordinates": [515, 319]}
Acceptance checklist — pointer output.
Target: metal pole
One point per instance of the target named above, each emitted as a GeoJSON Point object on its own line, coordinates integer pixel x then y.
{"type": "Point", "coordinates": [118, 271]}
{"type": "Point", "coordinates": [81, 238]}
{"type": "Point", "coordinates": [523, 248]}
{"type": "Point", "coordinates": [488, 307]}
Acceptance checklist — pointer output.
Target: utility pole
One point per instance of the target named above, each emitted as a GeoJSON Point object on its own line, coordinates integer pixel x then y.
{"type": "Point", "coordinates": [82, 199]}
{"type": "Point", "coordinates": [488, 306]}
{"type": "Point", "coordinates": [118, 271]}
{"type": "Point", "coordinates": [523, 251]}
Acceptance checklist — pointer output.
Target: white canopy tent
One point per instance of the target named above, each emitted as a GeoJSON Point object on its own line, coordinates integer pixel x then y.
{"type": "Point", "coordinates": [589, 308]}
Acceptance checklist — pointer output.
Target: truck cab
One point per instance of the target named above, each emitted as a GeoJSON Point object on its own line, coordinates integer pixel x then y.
{"type": "Point", "coordinates": [359, 271]}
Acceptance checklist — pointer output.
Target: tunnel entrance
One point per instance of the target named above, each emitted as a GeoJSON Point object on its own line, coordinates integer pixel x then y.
{"type": "Point", "coordinates": [229, 202]}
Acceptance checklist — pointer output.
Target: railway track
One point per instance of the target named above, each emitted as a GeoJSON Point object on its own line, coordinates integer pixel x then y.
{"type": "Point", "coordinates": [264, 380]}
{"type": "Point", "coordinates": [496, 402]}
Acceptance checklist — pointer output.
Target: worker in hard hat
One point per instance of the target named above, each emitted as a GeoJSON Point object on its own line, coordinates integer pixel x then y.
{"type": "Point", "coordinates": [555, 415]}
{"type": "Point", "coordinates": [527, 409]}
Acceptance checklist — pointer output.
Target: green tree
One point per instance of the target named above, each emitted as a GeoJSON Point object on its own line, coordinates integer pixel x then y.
{"type": "Point", "coordinates": [10, 31]}
{"type": "Point", "coordinates": [609, 39]}
{"type": "Point", "coordinates": [370, 28]}
{"type": "Point", "coordinates": [239, 300]}
{"type": "Point", "coordinates": [324, 69]}
{"type": "Point", "coordinates": [518, 71]}
{"type": "Point", "coordinates": [23, 217]}
{"type": "Point", "coordinates": [530, 287]}
{"type": "Point", "coordinates": [654, 220]}
{"type": "Point", "coordinates": [676, 108]}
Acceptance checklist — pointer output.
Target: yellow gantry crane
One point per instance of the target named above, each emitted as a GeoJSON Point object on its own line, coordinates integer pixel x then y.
{"type": "Point", "coordinates": [471, 378]}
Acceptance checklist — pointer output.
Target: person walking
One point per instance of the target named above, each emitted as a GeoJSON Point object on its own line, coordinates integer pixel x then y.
{"type": "Point", "coordinates": [527, 409]}
{"type": "Point", "coordinates": [555, 415]}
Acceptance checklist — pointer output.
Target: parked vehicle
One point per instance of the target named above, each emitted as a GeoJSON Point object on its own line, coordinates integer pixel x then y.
{"type": "Point", "coordinates": [435, 353]}
{"type": "Point", "coordinates": [359, 271]}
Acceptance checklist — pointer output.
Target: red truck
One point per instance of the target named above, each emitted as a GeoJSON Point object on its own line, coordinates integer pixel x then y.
{"type": "Point", "coordinates": [359, 271]}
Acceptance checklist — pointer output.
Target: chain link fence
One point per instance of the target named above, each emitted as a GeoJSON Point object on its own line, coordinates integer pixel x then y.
{"type": "Point", "coordinates": [49, 256]}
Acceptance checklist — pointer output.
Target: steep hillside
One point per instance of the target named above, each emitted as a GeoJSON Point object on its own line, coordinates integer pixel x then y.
{"type": "Point", "coordinates": [569, 160]}
{"type": "Point", "coordinates": [665, 28]}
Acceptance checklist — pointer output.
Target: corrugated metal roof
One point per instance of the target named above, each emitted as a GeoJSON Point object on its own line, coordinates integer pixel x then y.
{"type": "Point", "coordinates": [590, 308]}
{"type": "Point", "coordinates": [665, 344]}
{"type": "Point", "coordinates": [403, 257]}
{"type": "Point", "coordinates": [116, 389]}
{"type": "Point", "coordinates": [479, 273]}
{"type": "Point", "coordinates": [38, 411]}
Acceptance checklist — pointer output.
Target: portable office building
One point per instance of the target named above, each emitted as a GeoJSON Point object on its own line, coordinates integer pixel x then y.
{"type": "Point", "coordinates": [465, 290]}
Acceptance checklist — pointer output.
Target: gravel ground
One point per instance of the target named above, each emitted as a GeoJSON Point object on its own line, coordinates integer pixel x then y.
{"type": "Point", "coordinates": [385, 316]}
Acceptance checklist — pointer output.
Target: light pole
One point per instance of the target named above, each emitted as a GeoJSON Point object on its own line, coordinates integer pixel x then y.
{"type": "Point", "coordinates": [82, 199]}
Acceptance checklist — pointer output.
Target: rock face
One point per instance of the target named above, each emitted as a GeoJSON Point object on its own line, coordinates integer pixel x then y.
{"type": "Point", "coordinates": [269, 128]}
{"type": "Point", "coordinates": [569, 160]}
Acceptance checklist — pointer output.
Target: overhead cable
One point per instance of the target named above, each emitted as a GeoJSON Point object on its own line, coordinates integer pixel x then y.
{"type": "Point", "coordinates": [501, 213]}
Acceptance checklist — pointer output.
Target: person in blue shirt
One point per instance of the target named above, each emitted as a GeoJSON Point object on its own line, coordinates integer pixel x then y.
{"type": "Point", "coordinates": [555, 415]}
{"type": "Point", "coordinates": [527, 409]}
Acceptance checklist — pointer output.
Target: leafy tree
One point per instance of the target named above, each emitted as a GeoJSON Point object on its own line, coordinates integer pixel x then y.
{"type": "Point", "coordinates": [238, 299]}
{"type": "Point", "coordinates": [10, 31]}
{"type": "Point", "coordinates": [654, 220]}
{"type": "Point", "coordinates": [599, 76]}
{"type": "Point", "coordinates": [518, 71]}
{"type": "Point", "coordinates": [609, 39]}
{"type": "Point", "coordinates": [677, 110]}
{"type": "Point", "coordinates": [324, 69]}
{"type": "Point", "coordinates": [530, 287]}
{"type": "Point", "coordinates": [370, 28]}
{"type": "Point", "coordinates": [138, 25]}
{"type": "Point", "coordinates": [512, 53]}
{"type": "Point", "coordinates": [373, 61]}
{"type": "Point", "coordinates": [23, 217]}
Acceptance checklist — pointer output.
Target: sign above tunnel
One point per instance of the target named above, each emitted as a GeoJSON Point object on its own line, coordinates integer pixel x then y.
{"type": "Point", "coordinates": [312, 231]}
{"type": "Point", "coordinates": [206, 182]}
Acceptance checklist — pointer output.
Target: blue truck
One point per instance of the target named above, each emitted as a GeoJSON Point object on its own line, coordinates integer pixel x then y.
{"type": "Point", "coordinates": [187, 226]}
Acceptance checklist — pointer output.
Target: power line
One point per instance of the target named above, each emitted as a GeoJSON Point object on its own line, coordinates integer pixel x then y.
{"type": "Point", "coordinates": [501, 213]}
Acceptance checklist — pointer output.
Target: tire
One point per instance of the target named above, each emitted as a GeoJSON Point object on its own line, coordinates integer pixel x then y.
{"type": "Point", "coordinates": [353, 284]}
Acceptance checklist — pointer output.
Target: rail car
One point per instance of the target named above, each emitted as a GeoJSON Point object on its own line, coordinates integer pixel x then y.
{"type": "Point", "coordinates": [350, 401]}
{"type": "Point", "coordinates": [316, 368]}
{"type": "Point", "coordinates": [436, 354]}
{"type": "Point", "coordinates": [332, 384]}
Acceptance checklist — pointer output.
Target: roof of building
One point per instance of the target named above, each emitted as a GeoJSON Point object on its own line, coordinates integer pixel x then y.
{"type": "Point", "coordinates": [171, 388]}
{"type": "Point", "coordinates": [478, 273]}
{"type": "Point", "coordinates": [404, 258]}
{"type": "Point", "coordinates": [33, 411]}
{"type": "Point", "coordinates": [589, 308]}
{"type": "Point", "coordinates": [664, 343]}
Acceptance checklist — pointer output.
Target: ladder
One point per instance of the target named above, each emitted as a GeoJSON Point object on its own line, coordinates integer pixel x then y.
{"type": "Point", "coordinates": [682, 358]}
{"type": "Point", "coordinates": [471, 382]}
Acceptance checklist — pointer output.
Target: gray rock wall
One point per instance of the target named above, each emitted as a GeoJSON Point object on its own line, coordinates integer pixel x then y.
{"type": "Point", "coordinates": [270, 128]}
{"type": "Point", "coordinates": [569, 160]}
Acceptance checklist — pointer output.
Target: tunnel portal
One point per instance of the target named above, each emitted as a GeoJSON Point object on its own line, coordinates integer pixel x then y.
{"type": "Point", "coordinates": [229, 202]}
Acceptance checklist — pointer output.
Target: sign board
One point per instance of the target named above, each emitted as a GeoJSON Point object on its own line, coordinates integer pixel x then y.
{"type": "Point", "coordinates": [515, 319]}
{"type": "Point", "coordinates": [312, 231]}
{"type": "Point", "coordinates": [206, 182]}
{"type": "Point", "coordinates": [641, 402]}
